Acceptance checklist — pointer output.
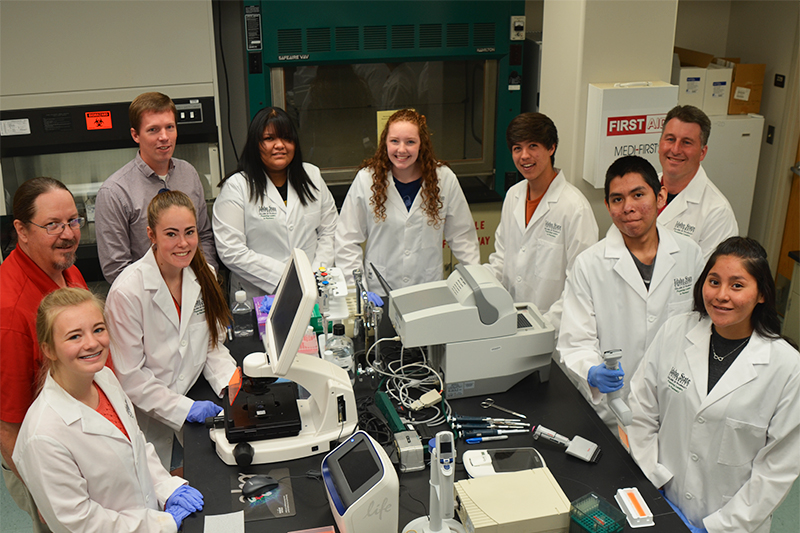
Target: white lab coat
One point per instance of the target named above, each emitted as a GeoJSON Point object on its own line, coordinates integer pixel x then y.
{"type": "Point", "coordinates": [84, 474]}
{"type": "Point", "coordinates": [729, 457]}
{"type": "Point", "coordinates": [607, 307]}
{"type": "Point", "coordinates": [532, 261]}
{"type": "Point", "coordinates": [255, 239]}
{"type": "Point", "coordinates": [404, 247]}
{"type": "Point", "coordinates": [702, 213]}
{"type": "Point", "coordinates": [158, 357]}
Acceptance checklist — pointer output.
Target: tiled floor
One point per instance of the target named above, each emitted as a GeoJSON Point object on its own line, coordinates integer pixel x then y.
{"type": "Point", "coordinates": [785, 519]}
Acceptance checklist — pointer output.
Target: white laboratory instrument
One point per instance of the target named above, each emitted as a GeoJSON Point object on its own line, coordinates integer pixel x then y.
{"type": "Point", "coordinates": [577, 446]}
{"type": "Point", "coordinates": [442, 502]}
{"type": "Point", "coordinates": [362, 486]}
{"type": "Point", "coordinates": [310, 426]}
{"type": "Point", "coordinates": [479, 463]}
{"type": "Point", "coordinates": [482, 341]}
{"type": "Point", "coordinates": [617, 405]}
{"type": "Point", "coordinates": [485, 505]}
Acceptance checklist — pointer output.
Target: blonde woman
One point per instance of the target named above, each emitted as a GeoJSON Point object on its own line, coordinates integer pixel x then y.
{"type": "Point", "coordinates": [80, 450]}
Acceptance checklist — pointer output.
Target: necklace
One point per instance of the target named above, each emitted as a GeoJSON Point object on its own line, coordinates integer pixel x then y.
{"type": "Point", "coordinates": [718, 358]}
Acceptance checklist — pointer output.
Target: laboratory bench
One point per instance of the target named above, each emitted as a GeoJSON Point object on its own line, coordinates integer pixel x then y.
{"type": "Point", "coordinates": [556, 404]}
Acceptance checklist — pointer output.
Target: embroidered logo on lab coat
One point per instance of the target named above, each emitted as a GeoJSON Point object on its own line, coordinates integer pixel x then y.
{"type": "Point", "coordinates": [682, 228]}
{"type": "Point", "coordinates": [128, 409]}
{"type": "Point", "coordinates": [683, 286]}
{"type": "Point", "coordinates": [551, 229]}
{"type": "Point", "coordinates": [199, 307]}
{"type": "Point", "coordinates": [678, 382]}
{"type": "Point", "coordinates": [268, 212]}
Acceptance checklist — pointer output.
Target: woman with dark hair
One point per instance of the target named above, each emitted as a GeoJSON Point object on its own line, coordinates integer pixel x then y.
{"type": "Point", "coordinates": [716, 400]}
{"type": "Point", "coordinates": [272, 203]}
{"type": "Point", "coordinates": [403, 202]}
{"type": "Point", "coordinates": [167, 315]}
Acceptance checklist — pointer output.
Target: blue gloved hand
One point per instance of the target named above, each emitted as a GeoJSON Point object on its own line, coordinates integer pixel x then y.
{"type": "Point", "coordinates": [606, 380]}
{"type": "Point", "coordinates": [178, 513]}
{"type": "Point", "coordinates": [374, 298]}
{"type": "Point", "coordinates": [201, 410]}
{"type": "Point", "coordinates": [266, 304]}
{"type": "Point", "coordinates": [677, 510]}
{"type": "Point", "coordinates": [187, 497]}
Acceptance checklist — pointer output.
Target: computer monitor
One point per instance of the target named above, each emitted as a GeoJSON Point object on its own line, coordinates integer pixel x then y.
{"type": "Point", "coordinates": [291, 313]}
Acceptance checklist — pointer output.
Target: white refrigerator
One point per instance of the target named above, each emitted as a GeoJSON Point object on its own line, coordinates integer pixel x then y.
{"type": "Point", "coordinates": [732, 161]}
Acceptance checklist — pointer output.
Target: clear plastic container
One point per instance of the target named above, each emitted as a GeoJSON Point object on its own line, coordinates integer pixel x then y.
{"type": "Point", "coordinates": [242, 311]}
{"type": "Point", "coordinates": [339, 350]}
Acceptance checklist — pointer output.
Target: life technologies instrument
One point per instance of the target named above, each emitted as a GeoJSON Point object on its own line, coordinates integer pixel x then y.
{"type": "Point", "coordinates": [482, 341]}
{"type": "Point", "coordinates": [362, 486]}
{"type": "Point", "coordinates": [263, 421]}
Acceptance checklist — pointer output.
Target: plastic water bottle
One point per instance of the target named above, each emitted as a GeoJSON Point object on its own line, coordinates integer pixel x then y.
{"type": "Point", "coordinates": [339, 351]}
{"type": "Point", "coordinates": [242, 311]}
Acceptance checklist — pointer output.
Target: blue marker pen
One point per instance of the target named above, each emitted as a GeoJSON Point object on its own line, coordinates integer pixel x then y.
{"type": "Point", "coordinates": [478, 440]}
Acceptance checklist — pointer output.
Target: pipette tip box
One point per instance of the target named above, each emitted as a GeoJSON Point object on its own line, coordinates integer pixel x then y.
{"type": "Point", "coordinates": [594, 514]}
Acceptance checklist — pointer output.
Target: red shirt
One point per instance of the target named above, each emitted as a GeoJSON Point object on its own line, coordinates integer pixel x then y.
{"type": "Point", "coordinates": [22, 286]}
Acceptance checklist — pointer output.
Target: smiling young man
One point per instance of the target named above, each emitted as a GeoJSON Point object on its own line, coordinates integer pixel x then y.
{"type": "Point", "coordinates": [621, 290]}
{"type": "Point", "coordinates": [545, 222]}
{"type": "Point", "coordinates": [121, 207]}
{"type": "Point", "coordinates": [695, 206]}
{"type": "Point", "coordinates": [48, 233]}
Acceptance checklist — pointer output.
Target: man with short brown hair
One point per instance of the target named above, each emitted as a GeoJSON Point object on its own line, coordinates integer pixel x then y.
{"type": "Point", "coordinates": [695, 206]}
{"type": "Point", "coordinates": [121, 207]}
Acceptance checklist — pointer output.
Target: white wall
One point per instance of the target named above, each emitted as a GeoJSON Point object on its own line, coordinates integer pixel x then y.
{"type": "Point", "coordinates": [703, 25]}
{"type": "Point", "coordinates": [587, 41]}
{"type": "Point", "coordinates": [766, 32]}
{"type": "Point", "coordinates": [61, 53]}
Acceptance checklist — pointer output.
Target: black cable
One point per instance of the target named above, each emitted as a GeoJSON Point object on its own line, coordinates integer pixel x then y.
{"type": "Point", "coordinates": [227, 85]}
{"type": "Point", "coordinates": [371, 424]}
{"type": "Point", "coordinates": [424, 507]}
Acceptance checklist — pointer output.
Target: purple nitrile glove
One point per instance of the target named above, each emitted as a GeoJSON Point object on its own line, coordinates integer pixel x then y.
{"type": "Point", "coordinates": [374, 298]}
{"type": "Point", "coordinates": [201, 410]}
{"type": "Point", "coordinates": [606, 380]}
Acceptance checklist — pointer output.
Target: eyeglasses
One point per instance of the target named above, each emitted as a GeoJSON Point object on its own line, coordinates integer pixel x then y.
{"type": "Point", "coordinates": [57, 228]}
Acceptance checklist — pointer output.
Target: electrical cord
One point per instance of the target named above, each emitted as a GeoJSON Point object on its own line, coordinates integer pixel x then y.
{"type": "Point", "coordinates": [371, 424]}
{"type": "Point", "coordinates": [401, 378]}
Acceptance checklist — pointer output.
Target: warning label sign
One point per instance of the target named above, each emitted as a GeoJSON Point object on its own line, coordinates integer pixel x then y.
{"type": "Point", "coordinates": [98, 120]}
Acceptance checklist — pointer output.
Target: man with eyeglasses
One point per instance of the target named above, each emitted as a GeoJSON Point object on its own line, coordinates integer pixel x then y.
{"type": "Point", "coordinates": [48, 233]}
{"type": "Point", "coordinates": [121, 206]}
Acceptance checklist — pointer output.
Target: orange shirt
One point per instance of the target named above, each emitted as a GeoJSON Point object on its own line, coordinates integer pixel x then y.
{"type": "Point", "coordinates": [107, 410]}
{"type": "Point", "coordinates": [530, 206]}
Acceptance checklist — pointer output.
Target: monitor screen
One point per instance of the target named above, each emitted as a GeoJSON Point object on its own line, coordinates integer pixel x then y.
{"type": "Point", "coordinates": [285, 306]}
{"type": "Point", "coordinates": [291, 313]}
{"type": "Point", "coordinates": [358, 466]}
{"type": "Point", "coordinates": [353, 469]}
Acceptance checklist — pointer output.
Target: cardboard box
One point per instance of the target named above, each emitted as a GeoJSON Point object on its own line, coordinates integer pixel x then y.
{"type": "Point", "coordinates": [701, 81]}
{"type": "Point", "coordinates": [746, 88]}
